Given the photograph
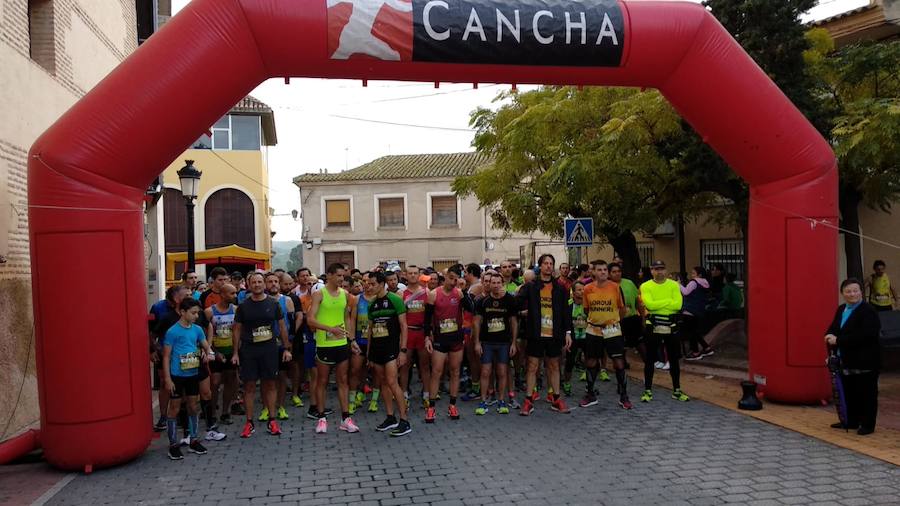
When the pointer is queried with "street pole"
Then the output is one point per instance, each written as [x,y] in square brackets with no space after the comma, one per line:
[189,203]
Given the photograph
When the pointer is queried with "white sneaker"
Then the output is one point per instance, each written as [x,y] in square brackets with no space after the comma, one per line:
[665,366]
[658,365]
[322,426]
[185,442]
[349,426]
[215,435]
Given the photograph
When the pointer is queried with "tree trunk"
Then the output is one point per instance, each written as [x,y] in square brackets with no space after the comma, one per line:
[848,202]
[625,245]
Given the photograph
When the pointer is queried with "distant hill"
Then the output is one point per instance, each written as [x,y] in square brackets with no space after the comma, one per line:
[281,251]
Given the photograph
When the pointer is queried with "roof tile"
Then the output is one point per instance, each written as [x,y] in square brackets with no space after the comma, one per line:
[447,165]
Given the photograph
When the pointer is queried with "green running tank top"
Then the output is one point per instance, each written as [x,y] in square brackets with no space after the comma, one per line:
[331,313]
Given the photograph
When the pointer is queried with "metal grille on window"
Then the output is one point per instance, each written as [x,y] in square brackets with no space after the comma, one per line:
[727,252]
[442,265]
[646,251]
[390,212]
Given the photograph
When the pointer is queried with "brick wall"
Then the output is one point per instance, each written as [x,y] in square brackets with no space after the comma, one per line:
[70,45]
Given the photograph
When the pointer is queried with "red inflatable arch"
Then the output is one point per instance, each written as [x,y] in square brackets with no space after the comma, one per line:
[88,172]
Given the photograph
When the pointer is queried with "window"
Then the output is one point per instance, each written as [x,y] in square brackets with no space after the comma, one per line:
[347,258]
[444,211]
[230,219]
[337,213]
[41,40]
[442,265]
[232,132]
[728,252]
[391,211]
[646,252]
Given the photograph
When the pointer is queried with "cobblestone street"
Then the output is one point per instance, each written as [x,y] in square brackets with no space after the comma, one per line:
[662,453]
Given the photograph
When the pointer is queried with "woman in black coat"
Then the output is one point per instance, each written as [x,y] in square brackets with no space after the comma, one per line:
[854,332]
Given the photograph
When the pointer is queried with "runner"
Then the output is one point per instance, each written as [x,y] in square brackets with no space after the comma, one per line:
[549,325]
[563,279]
[237,279]
[444,338]
[358,369]
[257,351]
[881,294]
[386,333]
[181,364]
[273,288]
[332,321]
[414,297]
[605,308]
[662,297]
[163,315]
[213,295]
[579,326]
[474,289]
[189,279]
[222,372]
[632,324]
[296,364]
[493,329]
[393,281]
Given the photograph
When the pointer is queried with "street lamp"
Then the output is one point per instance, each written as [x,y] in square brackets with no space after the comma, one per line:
[190,186]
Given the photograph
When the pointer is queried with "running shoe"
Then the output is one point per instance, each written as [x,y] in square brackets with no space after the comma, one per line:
[297,401]
[481,409]
[583,376]
[360,398]
[502,408]
[248,429]
[312,414]
[273,428]
[658,365]
[429,414]
[282,414]
[175,453]
[225,419]
[470,395]
[322,426]
[264,415]
[647,396]
[535,395]
[348,425]
[373,406]
[452,412]
[403,428]
[567,388]
[694,355]
[492,399]
[527,407]
[388,424]
[186,440]
[196,447]
[625,403]
[665,366]
[351,407]
[559,405]
[513,403]
[588,400]
[708,352]
[214,435]
[678,395]
[214,426]
[160,424]
[604,376]
[549,396]
[328,412]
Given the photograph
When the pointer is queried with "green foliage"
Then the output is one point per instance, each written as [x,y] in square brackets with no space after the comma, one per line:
[560,151]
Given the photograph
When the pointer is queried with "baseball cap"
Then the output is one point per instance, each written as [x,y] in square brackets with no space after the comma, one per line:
[658,264]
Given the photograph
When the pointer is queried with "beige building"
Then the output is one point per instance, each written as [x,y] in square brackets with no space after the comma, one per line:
[232,206]
[401,208]
[51,53]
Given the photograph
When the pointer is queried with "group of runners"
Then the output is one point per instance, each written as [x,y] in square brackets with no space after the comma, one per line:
[372,330]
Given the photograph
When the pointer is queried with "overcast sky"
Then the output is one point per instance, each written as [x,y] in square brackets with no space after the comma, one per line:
[315,132]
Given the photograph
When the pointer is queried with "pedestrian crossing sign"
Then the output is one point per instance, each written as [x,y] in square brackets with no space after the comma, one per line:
[579,232]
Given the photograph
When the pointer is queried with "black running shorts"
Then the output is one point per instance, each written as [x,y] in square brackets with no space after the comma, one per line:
[185,386]
[540,347]
[333,355]
[259,361]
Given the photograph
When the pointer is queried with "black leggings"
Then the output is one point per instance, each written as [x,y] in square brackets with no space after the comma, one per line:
[672,343]
[692,328]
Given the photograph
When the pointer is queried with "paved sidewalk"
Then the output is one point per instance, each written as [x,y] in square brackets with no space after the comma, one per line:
[664,452]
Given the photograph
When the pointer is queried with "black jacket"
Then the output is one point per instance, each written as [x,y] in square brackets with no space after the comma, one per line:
[857,341]
[530,299]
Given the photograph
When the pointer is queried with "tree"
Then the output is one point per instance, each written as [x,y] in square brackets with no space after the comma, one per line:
[560,151]
[295,259]
[861,83]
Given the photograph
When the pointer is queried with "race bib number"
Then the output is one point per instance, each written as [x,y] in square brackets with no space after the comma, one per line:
[882,299]
[331,336]
[496,325]
[224,331]
[662,329]
[222,342]
[612,330]
[379,329]
[415,306]
[262,334]
[189,361]
[363,324]
[546,326]
[448,326]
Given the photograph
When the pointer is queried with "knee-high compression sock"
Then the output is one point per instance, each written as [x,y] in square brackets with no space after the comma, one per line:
[172,430]
[592,378]
[183,420]
[208,415]
[620,379]
[675,373]
[193,423]
[649,367]
[375,394]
